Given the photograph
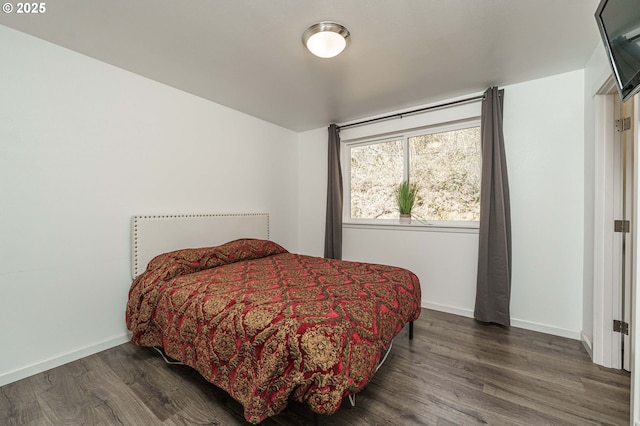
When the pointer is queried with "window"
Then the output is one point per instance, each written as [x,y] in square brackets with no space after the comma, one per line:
[443,161]
[376,169]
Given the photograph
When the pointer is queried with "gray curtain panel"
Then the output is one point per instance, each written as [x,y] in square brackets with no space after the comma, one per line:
[493,293]
[333,228]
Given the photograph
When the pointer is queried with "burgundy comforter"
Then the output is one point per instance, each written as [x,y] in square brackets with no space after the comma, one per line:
[267,325]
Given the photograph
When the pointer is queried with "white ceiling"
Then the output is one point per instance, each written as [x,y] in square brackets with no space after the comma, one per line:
[248,54]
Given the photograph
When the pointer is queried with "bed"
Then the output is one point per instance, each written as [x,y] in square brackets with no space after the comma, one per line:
[266,325]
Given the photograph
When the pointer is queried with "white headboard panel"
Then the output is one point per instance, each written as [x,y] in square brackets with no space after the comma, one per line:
[154,235]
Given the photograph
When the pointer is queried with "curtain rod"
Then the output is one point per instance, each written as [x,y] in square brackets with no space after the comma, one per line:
[415,111]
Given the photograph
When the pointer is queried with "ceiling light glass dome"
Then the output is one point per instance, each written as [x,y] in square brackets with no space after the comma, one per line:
[326,39]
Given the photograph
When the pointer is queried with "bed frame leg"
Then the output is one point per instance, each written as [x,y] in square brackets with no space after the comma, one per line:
[352,399]
[411,330]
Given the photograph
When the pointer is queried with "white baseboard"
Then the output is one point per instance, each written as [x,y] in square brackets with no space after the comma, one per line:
[448,309]
[30,370]
[527,325]
[586,342]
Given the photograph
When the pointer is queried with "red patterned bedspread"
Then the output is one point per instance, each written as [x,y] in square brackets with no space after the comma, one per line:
[267,325]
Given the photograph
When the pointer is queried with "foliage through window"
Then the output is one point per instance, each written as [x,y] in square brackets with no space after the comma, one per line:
[445,165]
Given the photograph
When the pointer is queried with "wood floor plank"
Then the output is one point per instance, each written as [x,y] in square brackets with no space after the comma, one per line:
[19,404]
[122,407]
[165,389]
[562,412]
[63,399]
[454,372]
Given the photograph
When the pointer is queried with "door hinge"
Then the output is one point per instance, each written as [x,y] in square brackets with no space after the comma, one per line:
[623,124]
[620,327]
[621,226]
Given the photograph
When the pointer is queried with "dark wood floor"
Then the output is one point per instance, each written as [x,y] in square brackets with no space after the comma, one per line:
[454,372]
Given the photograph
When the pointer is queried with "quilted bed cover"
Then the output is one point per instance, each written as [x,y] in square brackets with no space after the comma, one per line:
[267,325]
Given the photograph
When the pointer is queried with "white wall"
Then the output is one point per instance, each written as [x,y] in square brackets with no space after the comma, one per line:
[544,137]
[544,144]
[312,184]
[83,147]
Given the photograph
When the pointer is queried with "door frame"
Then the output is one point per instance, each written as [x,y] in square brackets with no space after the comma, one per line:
[607,298]
[627,141]
[634,296]
[600,348]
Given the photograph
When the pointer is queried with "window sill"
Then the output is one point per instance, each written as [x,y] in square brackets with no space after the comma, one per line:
[415,225]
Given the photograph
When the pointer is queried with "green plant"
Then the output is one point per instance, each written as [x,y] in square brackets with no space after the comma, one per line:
[406,196]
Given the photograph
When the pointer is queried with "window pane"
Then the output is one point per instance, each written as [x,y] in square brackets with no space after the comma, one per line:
[446,167]
[375,171]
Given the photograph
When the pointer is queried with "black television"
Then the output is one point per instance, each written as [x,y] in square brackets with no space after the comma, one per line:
[619,24]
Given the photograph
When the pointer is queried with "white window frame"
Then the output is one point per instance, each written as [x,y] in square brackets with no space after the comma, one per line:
[419,225]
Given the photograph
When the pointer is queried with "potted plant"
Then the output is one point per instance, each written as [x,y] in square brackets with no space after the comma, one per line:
[406,196]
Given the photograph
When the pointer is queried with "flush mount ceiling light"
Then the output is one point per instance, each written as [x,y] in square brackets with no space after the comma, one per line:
[326,39]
